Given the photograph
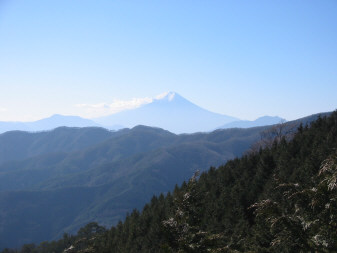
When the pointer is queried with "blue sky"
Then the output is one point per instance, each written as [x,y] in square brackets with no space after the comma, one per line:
[240,58]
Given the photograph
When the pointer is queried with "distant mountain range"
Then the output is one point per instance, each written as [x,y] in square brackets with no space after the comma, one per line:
[262,121]
[47,124]
[170,111]
[56,181]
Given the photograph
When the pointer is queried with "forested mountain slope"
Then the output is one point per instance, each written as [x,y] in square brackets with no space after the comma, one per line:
[46,193]
[279,199]
[17,145]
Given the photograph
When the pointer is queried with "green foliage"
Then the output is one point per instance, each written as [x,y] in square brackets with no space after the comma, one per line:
[305,219]
[185,234]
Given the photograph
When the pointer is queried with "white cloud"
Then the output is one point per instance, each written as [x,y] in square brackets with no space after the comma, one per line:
[162,95]
[117,105]
[101,109]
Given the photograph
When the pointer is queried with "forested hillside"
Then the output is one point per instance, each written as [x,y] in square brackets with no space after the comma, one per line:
[58,181]
[17,145]
[278,199]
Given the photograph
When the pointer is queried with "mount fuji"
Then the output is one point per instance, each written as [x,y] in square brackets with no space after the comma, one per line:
[169,111]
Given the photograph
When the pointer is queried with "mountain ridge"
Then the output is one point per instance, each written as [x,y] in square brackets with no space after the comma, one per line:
[261,121]
[118,172]
[48,123]
[169,111]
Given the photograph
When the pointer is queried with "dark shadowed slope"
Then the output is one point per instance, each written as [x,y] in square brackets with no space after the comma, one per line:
[112,177]
[58,192]
[16,145]
[279,199]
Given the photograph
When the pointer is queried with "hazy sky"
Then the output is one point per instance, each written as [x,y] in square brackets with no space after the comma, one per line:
[240,58]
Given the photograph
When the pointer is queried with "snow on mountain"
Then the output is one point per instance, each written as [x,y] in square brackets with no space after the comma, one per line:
[171,112]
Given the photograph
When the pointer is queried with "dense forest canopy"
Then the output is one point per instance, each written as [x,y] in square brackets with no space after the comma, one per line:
[280,198]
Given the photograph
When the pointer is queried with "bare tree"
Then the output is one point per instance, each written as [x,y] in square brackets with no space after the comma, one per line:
[273,134]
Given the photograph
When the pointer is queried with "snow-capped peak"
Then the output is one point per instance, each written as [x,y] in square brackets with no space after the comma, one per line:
[166,96]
